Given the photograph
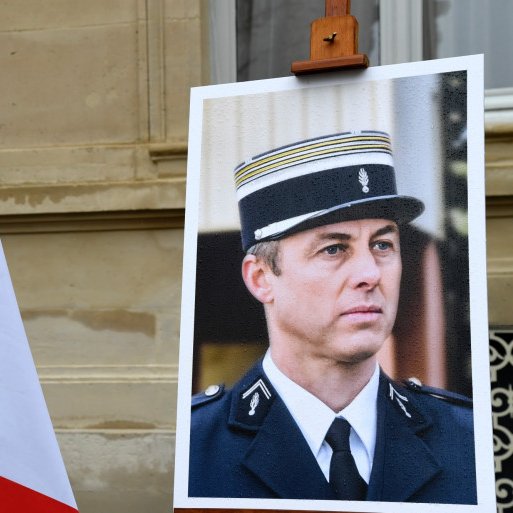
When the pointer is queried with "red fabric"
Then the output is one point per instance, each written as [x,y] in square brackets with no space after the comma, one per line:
[16,498]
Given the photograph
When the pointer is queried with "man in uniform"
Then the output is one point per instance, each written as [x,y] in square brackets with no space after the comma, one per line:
[317,418]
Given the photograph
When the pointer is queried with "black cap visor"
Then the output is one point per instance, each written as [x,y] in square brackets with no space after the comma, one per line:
[400,209]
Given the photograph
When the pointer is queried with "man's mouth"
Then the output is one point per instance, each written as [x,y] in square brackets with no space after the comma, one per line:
[363,309]
[362,314]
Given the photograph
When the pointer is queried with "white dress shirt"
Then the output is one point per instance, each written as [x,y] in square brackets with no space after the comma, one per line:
[314,418]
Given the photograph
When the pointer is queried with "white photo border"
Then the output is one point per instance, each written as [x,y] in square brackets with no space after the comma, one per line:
[473,65]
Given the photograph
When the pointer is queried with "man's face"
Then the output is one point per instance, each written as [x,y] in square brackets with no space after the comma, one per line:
[336,297]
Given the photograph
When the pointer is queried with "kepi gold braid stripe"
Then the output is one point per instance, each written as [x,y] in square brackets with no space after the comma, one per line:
[287,162]
[300,149]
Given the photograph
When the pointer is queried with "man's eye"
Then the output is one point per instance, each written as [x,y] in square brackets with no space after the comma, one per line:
[383,245]
[333,249]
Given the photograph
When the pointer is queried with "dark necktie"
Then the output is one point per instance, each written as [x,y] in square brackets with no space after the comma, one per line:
[344,477]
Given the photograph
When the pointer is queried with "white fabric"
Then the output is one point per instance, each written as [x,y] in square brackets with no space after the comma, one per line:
[29,451]
[314,418]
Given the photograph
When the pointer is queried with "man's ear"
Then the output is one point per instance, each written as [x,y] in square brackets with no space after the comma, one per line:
[256,274]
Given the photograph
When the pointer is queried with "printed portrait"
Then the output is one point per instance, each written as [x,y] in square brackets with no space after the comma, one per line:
[333,271]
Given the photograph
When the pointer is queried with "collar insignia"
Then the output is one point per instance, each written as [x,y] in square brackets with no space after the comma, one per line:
[396,397]
[257,385]
[253,404]
[363,178]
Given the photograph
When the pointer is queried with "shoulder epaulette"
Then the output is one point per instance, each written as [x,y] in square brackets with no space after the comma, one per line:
[415,385]
[210,394]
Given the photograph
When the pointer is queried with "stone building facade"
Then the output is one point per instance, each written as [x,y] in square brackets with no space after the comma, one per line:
[94,103]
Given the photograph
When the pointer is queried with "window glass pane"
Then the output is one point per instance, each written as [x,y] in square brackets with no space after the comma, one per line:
[272,34]
[469,27]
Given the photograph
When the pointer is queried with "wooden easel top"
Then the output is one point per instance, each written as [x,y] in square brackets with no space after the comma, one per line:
[333,42]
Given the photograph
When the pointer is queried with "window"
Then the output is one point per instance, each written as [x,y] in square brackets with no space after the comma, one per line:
[414,30]
[471,27]
[253,39]
[271,35]
[256,39]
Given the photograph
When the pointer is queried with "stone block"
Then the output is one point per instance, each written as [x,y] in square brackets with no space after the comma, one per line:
[179,53]
[97,197]
[120,471]
[87,86]
[68,165]
[106,270]
[180,9]
[20,15]
[114,397]
[500,270]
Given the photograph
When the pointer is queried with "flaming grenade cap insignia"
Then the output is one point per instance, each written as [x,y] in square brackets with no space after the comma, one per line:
[363,178]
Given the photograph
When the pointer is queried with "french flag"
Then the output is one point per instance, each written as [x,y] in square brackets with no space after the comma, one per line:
[33,478]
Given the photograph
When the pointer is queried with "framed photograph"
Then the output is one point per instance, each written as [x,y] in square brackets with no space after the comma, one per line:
[334,334]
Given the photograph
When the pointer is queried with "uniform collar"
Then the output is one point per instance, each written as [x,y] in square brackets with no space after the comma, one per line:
[314,417]
[279,448]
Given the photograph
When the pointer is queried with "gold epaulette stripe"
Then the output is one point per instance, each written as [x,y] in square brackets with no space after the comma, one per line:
[300,149]
[287,162]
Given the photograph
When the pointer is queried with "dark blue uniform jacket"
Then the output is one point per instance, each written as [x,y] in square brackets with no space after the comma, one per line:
[245,444]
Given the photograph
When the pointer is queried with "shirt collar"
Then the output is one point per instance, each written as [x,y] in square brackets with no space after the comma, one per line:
[362,414]
[314,417]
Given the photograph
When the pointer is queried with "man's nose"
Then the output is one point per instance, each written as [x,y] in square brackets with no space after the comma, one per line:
[365,272]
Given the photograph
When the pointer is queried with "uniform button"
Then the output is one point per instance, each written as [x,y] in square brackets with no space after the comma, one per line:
[415,381]
[212,390]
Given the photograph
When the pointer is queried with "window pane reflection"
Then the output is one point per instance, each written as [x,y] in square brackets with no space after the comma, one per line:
[470,27]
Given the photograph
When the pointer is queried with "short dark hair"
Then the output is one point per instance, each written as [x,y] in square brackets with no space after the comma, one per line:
[269,252]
